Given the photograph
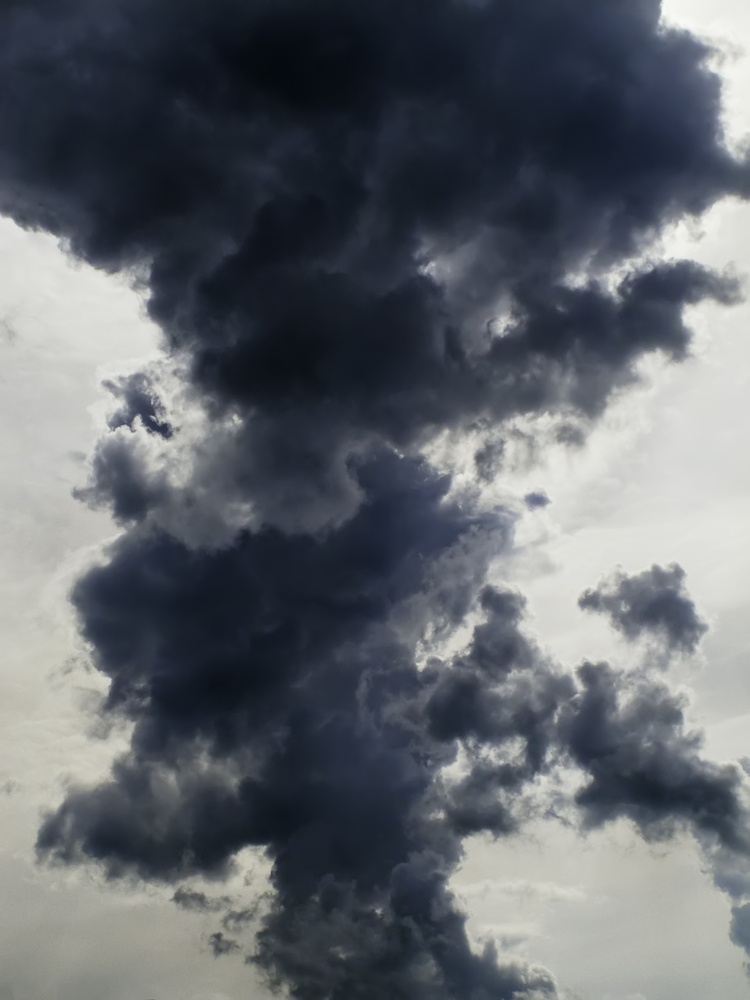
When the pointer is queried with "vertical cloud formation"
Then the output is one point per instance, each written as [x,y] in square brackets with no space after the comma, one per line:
[359,227]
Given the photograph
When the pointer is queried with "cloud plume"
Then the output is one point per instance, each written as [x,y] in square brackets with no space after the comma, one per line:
[363,229]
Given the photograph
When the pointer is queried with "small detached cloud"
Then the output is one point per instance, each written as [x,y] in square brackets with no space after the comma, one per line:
[537,500]
[654,603]
[9,786]
[221,945]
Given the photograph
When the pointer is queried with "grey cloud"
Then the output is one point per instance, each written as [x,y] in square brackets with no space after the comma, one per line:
[268,215]
[191,899]
[519,717]
[740,931]
[138,401]
[237,920]
[631,739]
[358,227]
[122,480]
[221,945]
[536,500]
[654,602]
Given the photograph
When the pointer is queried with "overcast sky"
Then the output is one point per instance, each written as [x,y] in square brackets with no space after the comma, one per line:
[663,478]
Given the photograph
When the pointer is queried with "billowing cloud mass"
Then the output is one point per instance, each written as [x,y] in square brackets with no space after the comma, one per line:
[652,603]
[363,229]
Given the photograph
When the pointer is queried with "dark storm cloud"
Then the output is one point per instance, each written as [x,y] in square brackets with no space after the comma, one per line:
[642,762]
[654,602]
[358,226]
[500,690]
[517,716]
[121,481]
[741,926]
[496,695]
[280,175]
[138,401]
[277,703]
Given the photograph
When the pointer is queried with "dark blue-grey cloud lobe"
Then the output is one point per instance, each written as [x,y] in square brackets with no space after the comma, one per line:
[138,401]
[537,500]
[360,227]
[654,602]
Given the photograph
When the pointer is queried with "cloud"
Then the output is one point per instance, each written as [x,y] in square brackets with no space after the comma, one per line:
[361,228]
[518,714]
[236,920]
[268,216]
[190,899]
[10,786]
[654,602]
[221,945]
[740,931]
[630,738]
[730,870]
[138,401]
[537,500]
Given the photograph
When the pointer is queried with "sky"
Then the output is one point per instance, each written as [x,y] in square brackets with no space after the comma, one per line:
[325,615]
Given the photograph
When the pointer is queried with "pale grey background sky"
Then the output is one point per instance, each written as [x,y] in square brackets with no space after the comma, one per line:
[666,477]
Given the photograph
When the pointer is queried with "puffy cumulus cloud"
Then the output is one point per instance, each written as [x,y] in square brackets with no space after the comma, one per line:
[362,229]
[518,715]
[330,205]
[629,737]
[304,735]
[654,602]
[361,774]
